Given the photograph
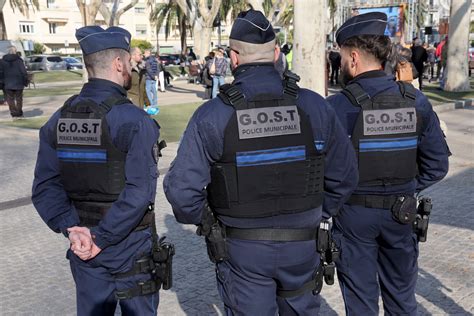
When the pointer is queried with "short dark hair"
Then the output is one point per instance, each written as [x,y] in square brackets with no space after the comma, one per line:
[378,46]
[100,61]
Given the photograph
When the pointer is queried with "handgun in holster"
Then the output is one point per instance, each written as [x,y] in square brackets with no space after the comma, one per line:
[420,226]
[328,251]
[214,235]
[163,254]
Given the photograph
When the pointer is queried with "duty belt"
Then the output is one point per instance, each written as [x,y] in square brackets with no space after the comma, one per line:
[91,214]
[271,234]
[373,201]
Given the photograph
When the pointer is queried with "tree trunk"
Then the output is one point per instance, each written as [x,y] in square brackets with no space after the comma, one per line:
[202,40]
[112,16]
[457,76]
[183,32]
[309,55]
[3,29]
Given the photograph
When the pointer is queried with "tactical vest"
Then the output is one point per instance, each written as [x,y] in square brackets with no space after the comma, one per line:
[385,136]
[269,164]
[91,167]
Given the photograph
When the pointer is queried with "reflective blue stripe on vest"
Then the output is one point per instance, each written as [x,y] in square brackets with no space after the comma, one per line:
[388,144]
[271,156]
[82,155]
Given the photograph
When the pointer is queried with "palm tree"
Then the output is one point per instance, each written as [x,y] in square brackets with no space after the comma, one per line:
[168,15]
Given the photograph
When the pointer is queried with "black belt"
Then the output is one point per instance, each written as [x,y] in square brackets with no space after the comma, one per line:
[271,234]
[373,201]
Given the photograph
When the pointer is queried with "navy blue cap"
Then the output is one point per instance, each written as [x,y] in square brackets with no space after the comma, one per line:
[373,23]
[93,39]
[252,27]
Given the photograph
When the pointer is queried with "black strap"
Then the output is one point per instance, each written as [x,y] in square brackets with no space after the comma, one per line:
[114,100]
[308,286]
[141,266]
[373,201]
[290,84]
[142,288]
[408,91]
[357,96]
[231,95]
[271,234]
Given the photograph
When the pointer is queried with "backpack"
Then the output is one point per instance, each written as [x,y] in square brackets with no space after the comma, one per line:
[404,71]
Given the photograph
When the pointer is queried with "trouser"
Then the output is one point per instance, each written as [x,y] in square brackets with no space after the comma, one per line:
[14,99]
[334,74]
[96,284]
[152,94]
[420,77]
[377,254]
[217,81]
[248,281]
[161,79]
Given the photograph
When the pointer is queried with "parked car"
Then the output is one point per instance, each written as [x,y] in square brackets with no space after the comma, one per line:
[172,59]
[73,63]
[46,63]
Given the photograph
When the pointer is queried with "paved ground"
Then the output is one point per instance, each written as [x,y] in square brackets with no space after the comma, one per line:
[35,276]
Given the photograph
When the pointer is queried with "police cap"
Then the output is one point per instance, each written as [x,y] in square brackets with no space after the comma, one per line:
[93,39]
[253,37]
[373,23]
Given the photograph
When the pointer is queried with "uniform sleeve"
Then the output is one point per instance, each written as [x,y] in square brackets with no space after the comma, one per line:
[48,194]
[189,174]
[340,171]
[141,175]
[433,151]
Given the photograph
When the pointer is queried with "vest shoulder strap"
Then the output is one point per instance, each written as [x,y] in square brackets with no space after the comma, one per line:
[231,95]
[68,102]
[290,84]
[408,92]
[114,100]
[357,96]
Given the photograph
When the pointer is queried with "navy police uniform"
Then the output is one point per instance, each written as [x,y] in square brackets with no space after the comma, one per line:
[96,167]
[263,155]
[401,150]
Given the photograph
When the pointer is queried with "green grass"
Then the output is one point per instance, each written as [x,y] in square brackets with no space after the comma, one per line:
[172,119]
[437,96]
[42,92]
[57,76]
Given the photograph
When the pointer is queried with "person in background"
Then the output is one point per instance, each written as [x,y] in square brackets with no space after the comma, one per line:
[137,92]
[151,66]
[419,57]
[432,61]
[439,49]
[218,69]
[335,60]
[15,79]
[192,55]
[161,73]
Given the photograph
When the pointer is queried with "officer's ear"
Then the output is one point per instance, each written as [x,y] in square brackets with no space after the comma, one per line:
[277,53]
[234,58]
[118,64]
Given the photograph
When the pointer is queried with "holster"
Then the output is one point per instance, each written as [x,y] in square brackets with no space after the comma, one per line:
[420,226]
[216,245]
[163,258]
[328,251]
[404,209]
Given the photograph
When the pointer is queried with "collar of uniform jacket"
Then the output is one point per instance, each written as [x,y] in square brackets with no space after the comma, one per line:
[243,68]
[369,74]
[102,85]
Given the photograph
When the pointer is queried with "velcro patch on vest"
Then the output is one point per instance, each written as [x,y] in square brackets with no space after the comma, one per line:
[268,122]
[71,131]
[389,121]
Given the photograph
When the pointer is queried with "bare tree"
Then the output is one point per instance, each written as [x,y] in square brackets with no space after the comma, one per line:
[309,55]
[112,15]
[201,17]
[88,10]
[457,76]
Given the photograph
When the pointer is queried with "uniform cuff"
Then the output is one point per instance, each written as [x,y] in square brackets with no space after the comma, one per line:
[98,239]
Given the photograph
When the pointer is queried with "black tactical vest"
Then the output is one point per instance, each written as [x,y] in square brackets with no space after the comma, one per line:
[270,164]
[385,135]
[91,167]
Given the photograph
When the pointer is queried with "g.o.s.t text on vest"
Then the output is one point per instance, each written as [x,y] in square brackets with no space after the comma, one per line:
[77,131]
[389,121]
[268,122]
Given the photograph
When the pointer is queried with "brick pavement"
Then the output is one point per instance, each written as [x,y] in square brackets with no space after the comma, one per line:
[35,276]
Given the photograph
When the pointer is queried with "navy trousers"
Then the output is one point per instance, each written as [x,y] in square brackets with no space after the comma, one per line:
[248,281]
[378,256]
[96,284]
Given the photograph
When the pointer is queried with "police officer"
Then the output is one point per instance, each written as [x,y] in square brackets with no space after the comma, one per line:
[401,150]
[266,156]
[95,181]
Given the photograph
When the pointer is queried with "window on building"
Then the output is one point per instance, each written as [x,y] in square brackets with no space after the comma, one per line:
[27,28]
[140,9]
[51,4]
[140,29]
[52,28]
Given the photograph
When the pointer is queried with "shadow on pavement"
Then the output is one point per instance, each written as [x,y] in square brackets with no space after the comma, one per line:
[33,112]
[432,289]
[199,93]
[194,277]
